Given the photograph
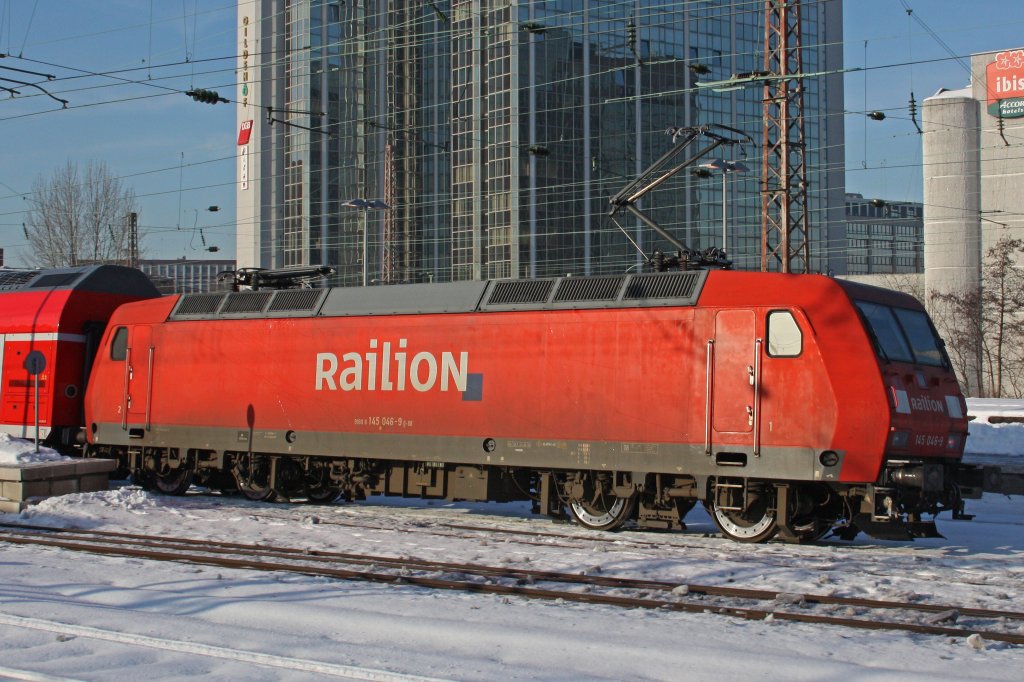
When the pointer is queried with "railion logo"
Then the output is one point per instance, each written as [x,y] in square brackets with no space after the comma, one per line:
[1004,80]
[393,370]
[926,404]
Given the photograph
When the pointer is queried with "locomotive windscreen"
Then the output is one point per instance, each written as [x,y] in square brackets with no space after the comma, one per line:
[903,335]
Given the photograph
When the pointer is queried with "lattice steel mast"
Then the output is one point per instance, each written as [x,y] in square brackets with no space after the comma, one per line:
[785,238]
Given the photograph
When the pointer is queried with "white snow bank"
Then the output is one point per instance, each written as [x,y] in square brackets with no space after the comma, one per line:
[995,439]
[128,498]
[981,409]
[19,451]
[988,434]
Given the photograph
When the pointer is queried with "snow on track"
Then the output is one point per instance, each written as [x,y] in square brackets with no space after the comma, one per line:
[193,648]
[404,630]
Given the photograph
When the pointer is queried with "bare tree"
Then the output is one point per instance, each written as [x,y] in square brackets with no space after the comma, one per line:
[77,218]
[910,283]
[984,329]
[957,316]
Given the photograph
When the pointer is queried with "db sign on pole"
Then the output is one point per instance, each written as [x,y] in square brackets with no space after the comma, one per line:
[35,363]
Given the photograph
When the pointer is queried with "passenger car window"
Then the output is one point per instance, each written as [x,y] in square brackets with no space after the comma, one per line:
[785,340]
[119,346]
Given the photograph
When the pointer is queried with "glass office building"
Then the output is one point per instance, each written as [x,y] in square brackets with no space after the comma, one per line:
[183,276]
[884,237]
[496,132]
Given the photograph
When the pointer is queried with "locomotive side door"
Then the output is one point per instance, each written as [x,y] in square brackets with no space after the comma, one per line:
[138,370]
[790,382]
[2,337]
[733,375]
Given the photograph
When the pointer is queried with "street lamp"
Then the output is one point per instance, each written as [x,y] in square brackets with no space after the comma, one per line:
[725,167]
[366,205]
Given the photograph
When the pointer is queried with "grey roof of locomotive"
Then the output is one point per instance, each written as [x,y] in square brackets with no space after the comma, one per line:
[561,293]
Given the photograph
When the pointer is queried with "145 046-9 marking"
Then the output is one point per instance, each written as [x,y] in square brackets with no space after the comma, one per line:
[929,440]
[383,421]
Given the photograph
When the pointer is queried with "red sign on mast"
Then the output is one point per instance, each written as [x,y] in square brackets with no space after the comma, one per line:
[244,132]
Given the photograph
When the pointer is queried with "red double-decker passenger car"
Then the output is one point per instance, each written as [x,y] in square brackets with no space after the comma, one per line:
[57,317]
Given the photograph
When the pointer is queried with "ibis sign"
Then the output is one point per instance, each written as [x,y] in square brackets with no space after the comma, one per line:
[1004,81]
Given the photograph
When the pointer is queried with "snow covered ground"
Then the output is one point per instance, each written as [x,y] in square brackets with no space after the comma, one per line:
[983,408]
[1000,441]
[17,451]
[78,616]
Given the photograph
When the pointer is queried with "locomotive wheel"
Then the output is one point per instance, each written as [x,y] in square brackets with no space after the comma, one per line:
[252,475]
[813,512]
[255,492]
[177,482]
[603,511]
[810,529]
[323,494]
[813,530]
[756,524]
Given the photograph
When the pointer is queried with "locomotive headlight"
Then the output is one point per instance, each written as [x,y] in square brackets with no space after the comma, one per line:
[828,458]
[899,439]
[953,441]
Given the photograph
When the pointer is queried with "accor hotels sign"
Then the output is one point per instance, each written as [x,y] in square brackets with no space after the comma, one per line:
[1004,80]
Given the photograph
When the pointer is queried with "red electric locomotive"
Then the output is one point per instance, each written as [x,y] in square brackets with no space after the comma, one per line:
[57,317]
[787,404]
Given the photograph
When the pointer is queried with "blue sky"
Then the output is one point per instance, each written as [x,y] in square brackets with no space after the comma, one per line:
[178,155]
[883,158]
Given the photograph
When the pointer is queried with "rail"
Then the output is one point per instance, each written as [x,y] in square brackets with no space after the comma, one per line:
[737,602]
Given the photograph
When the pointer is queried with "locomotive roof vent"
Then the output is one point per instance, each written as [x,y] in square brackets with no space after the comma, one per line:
[519,291]
[198,304]
[16,279]
[674,285]
[295,300]
[588,289]
[246,302]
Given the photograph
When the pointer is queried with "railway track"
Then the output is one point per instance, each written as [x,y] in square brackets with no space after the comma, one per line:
[674,539]
[750,604]
[635,545]
[631,543]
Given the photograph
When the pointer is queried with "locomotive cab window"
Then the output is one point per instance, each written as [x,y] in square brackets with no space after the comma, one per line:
[785,340]
[924,341]
[903,335]
[119,345]
[889,339]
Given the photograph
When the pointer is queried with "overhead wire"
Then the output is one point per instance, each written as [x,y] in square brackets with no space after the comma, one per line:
[567,108]
[935,36]
[28,28]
